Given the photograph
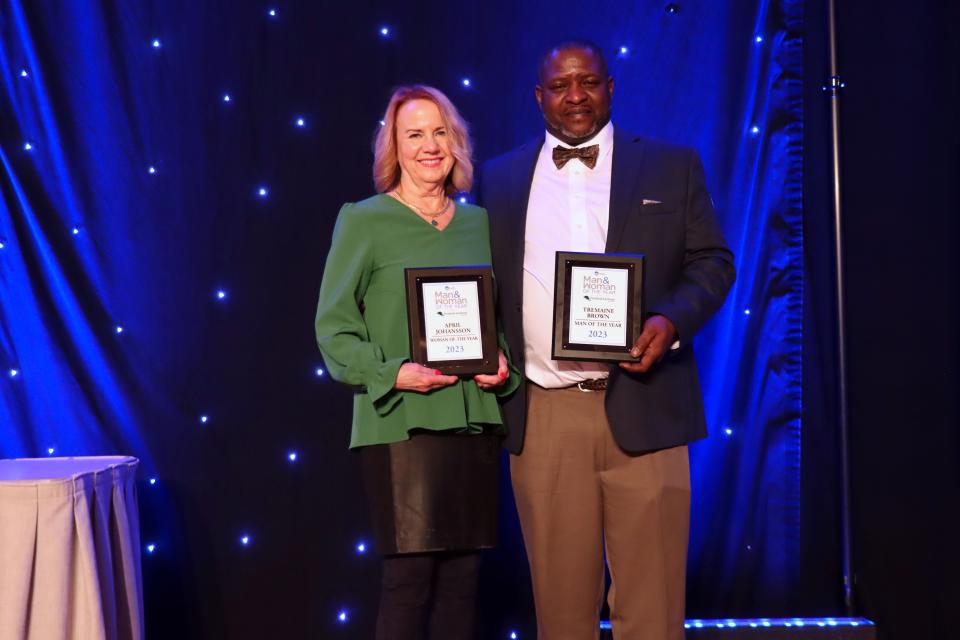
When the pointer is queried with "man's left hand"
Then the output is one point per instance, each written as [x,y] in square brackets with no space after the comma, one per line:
[654,342]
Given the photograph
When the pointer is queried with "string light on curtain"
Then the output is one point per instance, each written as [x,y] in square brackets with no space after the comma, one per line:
[758,39]
[28,146]
[272,12]
[245,539]
[51,451]
[466,82]
[263,192]
[75,231]
[318,372]
[24,74]
[221,294]
[361,547]
[727,431]
[151,548]
[384,31]
[342,616]
[513,635]
[754,130]
[3,244]
[672,8]
[300,122]
[623,52]
[746,312]
[292,456]
[155,43]
[152,481]
[204,419]
[226,97]
[151,169]
[118,329]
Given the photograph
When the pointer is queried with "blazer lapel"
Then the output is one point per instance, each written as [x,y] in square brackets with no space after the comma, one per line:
[522,167]
[624,184]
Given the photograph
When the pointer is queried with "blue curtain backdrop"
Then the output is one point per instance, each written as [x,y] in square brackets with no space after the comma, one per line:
[170,172]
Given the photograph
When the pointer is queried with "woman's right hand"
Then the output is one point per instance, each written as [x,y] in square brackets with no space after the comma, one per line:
[415,377]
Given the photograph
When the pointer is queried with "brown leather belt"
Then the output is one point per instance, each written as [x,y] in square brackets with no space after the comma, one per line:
[598,384]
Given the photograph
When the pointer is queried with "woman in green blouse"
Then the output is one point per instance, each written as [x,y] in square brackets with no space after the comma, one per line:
[428,443]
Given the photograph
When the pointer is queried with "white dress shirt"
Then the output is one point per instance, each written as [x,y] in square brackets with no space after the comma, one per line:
[568,210]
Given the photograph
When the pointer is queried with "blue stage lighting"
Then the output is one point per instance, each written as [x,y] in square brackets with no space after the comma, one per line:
[24,74]
[754,129]
[221,294]
[263,192]
[292,456]
[318,372]
[245,539]
[151,548]
[226,97]
[27,146]
[156,43]
[301,122]
[204,419]
[758,39]
[151,169]
[361,547]
[466,82]
[272,13]
[384,31]
[118,329]
[152,481]
[75,231]
[342,616]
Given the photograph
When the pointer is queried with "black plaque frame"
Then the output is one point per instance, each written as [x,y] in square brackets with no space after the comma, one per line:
[563,349]
[483,276]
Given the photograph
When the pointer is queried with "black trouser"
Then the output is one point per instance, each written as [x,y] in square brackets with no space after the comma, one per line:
[428,595]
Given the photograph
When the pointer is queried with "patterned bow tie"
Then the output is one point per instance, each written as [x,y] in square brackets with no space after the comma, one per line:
[587,155]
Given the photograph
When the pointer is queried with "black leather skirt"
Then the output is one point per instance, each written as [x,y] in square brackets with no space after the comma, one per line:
[436,491]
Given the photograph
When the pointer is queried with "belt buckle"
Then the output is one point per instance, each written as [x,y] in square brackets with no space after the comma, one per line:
[592,385]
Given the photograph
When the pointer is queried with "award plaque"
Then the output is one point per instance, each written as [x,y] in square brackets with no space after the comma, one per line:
[598,306]
[451,319]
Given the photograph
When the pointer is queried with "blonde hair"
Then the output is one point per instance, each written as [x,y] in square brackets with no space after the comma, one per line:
[386,165]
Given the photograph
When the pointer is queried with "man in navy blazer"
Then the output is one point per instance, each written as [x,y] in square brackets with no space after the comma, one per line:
[599,459]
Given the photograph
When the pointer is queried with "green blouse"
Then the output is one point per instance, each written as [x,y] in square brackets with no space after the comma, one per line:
[373,241]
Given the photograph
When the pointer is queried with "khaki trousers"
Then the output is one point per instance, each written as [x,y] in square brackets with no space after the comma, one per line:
[579,495]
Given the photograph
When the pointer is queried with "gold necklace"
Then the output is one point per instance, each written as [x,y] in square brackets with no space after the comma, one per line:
[431,216]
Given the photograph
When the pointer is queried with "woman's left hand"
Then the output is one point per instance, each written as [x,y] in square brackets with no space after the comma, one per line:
[497,379]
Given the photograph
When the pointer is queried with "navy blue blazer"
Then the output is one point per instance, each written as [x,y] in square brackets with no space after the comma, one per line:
[689,272]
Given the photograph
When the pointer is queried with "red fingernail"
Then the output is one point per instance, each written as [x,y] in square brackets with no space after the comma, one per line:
[503,375]
[436,372]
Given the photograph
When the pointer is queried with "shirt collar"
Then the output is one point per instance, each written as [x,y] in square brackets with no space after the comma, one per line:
[604,138]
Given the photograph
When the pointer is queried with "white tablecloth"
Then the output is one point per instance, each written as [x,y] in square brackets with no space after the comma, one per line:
[70,549]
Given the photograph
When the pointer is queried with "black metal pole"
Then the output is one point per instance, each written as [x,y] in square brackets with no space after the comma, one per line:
[833,87]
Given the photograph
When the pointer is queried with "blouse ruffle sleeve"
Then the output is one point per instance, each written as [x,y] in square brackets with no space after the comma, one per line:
[342,334]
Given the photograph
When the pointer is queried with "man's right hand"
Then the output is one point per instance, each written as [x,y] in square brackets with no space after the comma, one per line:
[415,377]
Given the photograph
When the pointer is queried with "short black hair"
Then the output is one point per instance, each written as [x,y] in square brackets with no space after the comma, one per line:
[566,45]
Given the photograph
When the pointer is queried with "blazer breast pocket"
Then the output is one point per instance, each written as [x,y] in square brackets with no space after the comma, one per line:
[658,209]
